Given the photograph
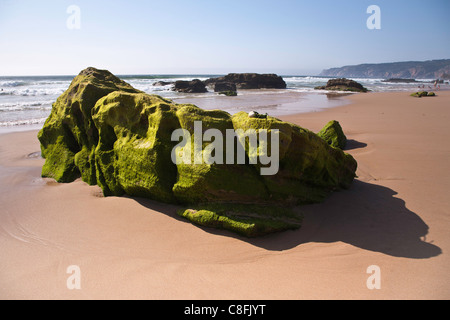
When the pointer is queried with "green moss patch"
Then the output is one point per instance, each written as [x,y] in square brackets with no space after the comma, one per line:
[421,94]
[246,220]
[229,93]
[333,134]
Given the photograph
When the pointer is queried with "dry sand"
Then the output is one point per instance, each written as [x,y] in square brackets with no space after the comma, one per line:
[395,216]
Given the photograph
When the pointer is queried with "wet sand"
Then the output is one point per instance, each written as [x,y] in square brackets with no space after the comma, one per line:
[395,216]
[275,102]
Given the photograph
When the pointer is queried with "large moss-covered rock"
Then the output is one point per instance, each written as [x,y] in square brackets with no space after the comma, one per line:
[108,133]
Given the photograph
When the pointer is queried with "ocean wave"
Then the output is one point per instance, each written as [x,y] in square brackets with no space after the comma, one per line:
[22,122]
[310,79]
[23,106]
[153,89]
[65,84]
[365,80]
[309,90]
[12,83]
[33,92]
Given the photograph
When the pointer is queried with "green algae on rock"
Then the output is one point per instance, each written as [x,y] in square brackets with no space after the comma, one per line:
[333,134]
[69,136]
[133,155]
[110,134]
[246,220]
[421,94]
[229,93]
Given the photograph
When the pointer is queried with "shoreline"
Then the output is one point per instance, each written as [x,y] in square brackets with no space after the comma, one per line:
[394,216]
[277,103]
[20,128]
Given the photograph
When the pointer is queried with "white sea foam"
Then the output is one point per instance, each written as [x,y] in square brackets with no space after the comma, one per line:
[22,106]
[308,79]
[22,122]
[12,83]
[29,91]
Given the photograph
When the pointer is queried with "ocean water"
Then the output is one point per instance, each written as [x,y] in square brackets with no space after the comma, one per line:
[27,101]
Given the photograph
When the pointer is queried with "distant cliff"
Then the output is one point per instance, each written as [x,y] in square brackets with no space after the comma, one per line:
[434,69]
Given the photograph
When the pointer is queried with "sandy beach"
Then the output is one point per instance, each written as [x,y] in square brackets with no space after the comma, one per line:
[395,216]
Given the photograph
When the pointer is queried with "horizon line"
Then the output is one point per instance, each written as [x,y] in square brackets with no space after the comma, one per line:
[221,74]
[159,74]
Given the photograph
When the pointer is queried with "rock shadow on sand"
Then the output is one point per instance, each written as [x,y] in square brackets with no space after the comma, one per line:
[353,145]
[366,216]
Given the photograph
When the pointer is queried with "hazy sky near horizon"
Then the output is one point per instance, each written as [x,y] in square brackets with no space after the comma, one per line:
[215,37]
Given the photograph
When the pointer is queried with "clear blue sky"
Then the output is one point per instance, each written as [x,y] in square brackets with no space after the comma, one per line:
[204,37]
